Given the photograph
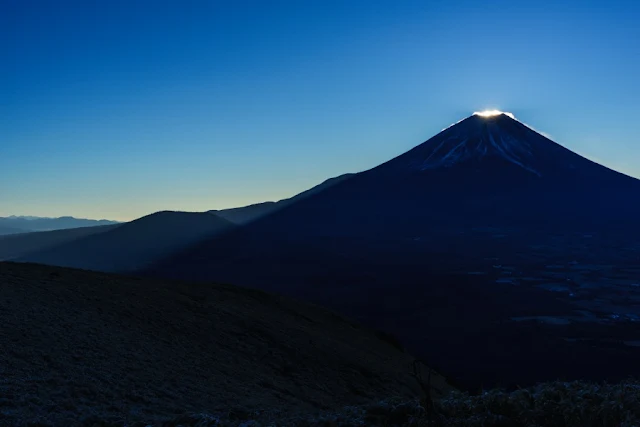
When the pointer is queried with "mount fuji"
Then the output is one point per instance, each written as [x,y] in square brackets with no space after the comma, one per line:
[491,251]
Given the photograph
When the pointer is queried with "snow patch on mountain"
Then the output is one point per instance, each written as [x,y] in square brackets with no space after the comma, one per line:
[486,140]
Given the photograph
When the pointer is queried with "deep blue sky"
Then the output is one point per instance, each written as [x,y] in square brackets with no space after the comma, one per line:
[116,109]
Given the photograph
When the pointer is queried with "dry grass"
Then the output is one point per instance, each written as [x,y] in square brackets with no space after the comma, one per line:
[80,347]
[559,404]
[554,404]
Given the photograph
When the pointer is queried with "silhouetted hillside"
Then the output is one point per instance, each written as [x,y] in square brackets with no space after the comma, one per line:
[133,245]
[246,214]
[17,245]
[82,347]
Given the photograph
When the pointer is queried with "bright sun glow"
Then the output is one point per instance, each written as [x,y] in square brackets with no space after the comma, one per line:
[492,113]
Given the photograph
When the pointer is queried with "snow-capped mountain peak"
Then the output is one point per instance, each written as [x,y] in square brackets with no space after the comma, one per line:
[481,135]
[488,135]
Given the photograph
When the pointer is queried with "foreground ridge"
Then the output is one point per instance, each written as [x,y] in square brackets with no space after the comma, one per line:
[84,345]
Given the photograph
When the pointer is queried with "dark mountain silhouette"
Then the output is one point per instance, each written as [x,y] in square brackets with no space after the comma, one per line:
[55,247]
[246,214]
[133,245]
[125,351]
[31,223]
[17,245]
[44,246]
[475,248]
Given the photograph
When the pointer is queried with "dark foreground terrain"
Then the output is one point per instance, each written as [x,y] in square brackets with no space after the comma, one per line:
[557,404]
[79,346]
[92,349]
[487,306]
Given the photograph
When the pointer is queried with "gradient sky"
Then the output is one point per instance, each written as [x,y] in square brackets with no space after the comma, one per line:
[115,109]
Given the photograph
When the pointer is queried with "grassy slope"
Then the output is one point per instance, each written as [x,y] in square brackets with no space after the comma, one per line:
[556,404]
[78,344]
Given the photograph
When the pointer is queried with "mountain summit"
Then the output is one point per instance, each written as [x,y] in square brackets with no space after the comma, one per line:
[479,137]
[486,143]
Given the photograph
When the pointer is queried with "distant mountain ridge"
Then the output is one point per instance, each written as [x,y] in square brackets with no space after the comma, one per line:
[26,224]
[4,230]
